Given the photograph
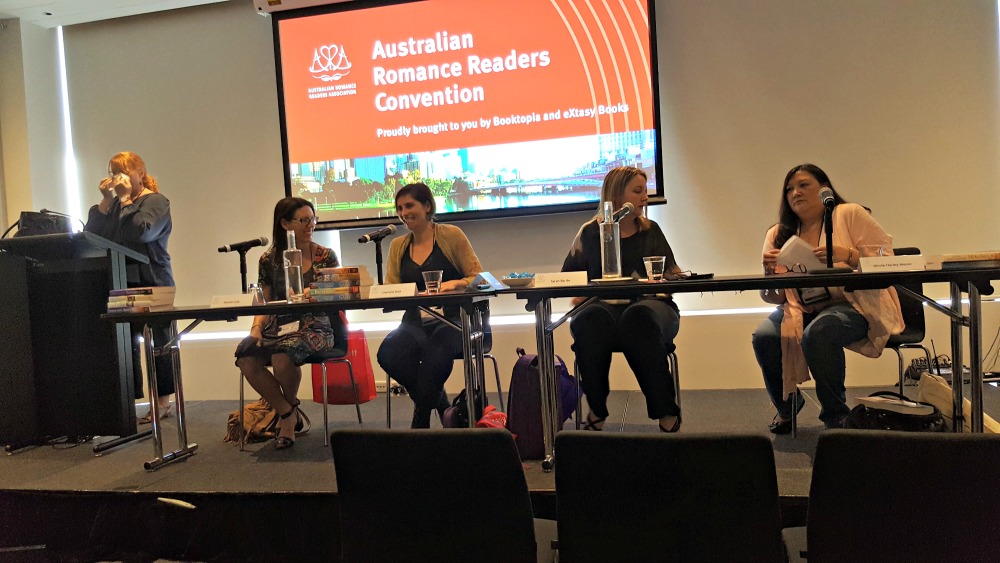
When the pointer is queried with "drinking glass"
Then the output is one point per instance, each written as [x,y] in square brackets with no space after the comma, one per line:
[432,280]
[257,293]
[654,267]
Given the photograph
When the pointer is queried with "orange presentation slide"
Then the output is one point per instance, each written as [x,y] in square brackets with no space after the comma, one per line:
[441,74]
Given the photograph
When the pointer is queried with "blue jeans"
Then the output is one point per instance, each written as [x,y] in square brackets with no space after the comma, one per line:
[823,340]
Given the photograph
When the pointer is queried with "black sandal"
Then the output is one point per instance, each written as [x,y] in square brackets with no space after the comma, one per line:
[591,423]
[303,425]
[672,429]
[282,442]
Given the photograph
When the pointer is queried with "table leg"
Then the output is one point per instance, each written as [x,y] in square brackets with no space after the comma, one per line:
[957,375]
[186,449]
[549,385]
[975,358]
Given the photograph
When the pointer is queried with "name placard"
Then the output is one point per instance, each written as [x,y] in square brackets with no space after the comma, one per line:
[561,279]
[870,264]
[393,290]
[235,300]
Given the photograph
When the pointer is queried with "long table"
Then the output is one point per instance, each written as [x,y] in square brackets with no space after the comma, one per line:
[973,281]
[471,328]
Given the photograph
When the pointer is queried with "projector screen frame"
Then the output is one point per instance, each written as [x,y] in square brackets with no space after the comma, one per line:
[655,198]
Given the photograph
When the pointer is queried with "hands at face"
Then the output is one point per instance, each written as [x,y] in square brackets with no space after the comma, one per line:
[116,185]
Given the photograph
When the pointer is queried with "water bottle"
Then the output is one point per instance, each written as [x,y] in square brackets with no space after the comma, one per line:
[293,271]
[611,261]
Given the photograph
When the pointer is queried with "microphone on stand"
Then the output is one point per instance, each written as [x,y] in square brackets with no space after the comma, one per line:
[244,246]
[826,196]
[378,235]
[623,212]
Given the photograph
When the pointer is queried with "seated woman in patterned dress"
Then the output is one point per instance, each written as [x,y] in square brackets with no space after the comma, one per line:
[285,341]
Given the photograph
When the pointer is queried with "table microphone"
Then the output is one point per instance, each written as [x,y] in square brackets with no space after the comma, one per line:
[378,235]
[623,212]
[244,246]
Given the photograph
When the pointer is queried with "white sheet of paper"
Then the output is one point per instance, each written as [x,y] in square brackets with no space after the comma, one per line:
[798,251]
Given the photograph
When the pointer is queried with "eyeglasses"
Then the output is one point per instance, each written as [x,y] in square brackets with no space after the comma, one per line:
[305,221]
[783,269]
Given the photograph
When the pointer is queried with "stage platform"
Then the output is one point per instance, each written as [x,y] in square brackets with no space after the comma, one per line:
[264,504]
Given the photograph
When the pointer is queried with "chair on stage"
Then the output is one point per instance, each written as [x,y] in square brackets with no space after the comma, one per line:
[862,508]
[333,356]
[432,495]
[671,365]
[658,497]
[913,317]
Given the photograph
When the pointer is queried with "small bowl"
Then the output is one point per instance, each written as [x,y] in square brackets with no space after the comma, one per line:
[517,282]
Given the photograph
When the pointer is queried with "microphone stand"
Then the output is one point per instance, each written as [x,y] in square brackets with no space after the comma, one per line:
[378,259]
[828,228]
[243,269]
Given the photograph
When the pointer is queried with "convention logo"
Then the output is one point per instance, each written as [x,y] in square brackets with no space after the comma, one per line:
[330,63]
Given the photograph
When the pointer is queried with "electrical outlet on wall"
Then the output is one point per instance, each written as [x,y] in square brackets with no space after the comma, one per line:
[380,386]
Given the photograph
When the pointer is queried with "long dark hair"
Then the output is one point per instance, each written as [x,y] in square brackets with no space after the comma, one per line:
[284,209]
[421,193]
[788,221]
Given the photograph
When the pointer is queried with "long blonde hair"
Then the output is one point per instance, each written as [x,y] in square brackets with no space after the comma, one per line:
[130,162]
[613,190]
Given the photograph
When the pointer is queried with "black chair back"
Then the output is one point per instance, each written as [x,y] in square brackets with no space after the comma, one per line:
[653,497]
[432,495]
[912,309]
[862,508]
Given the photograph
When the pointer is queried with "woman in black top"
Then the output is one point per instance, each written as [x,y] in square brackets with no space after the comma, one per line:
[133,213]
[643,329]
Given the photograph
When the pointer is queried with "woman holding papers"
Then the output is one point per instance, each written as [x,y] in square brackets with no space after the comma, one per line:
[812,326]
[644,329]
[285,341]
[420,353]
[133,213]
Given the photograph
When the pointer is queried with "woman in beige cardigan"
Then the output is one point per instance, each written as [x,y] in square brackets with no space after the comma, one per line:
[420,353]
[812,326]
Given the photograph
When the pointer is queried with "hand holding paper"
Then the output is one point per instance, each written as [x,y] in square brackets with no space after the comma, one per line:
[797,251]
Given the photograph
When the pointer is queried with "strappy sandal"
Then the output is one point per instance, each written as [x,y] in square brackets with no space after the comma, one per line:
[165,412]
[672,429]
[592,423]
[282,442]
[303,424]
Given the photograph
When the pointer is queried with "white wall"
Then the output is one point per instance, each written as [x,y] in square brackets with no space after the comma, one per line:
[897,100]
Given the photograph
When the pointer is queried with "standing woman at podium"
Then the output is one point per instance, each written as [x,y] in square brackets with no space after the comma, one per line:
[133,213]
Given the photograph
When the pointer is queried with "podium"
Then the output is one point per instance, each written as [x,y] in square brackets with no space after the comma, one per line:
[63,371]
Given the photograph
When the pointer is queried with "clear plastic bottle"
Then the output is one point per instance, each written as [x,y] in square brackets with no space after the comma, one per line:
[293,271]
[611,261]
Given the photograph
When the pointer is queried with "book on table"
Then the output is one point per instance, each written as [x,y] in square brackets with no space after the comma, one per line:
[157,290]
[140,308]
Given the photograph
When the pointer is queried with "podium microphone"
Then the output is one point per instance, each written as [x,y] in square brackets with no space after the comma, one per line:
[826,196]
[623,212]
[378,235]
[244,246]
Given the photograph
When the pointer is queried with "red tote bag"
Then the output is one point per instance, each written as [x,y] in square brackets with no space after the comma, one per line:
[339,381]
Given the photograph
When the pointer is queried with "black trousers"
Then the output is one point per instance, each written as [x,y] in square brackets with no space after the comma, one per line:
[644,331]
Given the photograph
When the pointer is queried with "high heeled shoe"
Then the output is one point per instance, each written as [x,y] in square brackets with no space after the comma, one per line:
[302,424]
[284,442]
[592,423]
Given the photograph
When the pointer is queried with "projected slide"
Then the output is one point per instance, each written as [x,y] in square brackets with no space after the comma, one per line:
[495,104]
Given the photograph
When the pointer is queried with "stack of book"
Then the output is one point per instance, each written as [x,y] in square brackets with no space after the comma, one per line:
[985,259]
[141,299]
[340,284]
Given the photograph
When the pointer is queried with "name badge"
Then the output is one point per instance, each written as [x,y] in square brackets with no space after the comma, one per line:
[810,295]
[393,290]
[236,300]
[288,328]
[561,279]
